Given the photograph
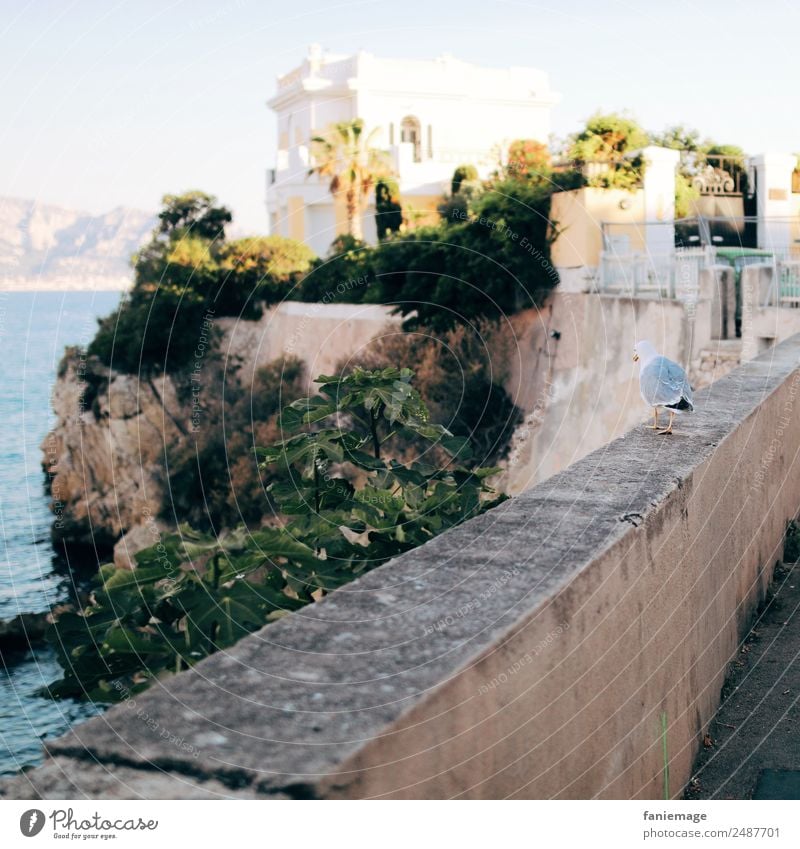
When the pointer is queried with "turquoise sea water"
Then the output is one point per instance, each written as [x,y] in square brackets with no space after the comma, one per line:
[34,329]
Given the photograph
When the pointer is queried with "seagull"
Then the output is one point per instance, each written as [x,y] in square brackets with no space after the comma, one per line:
[662,383]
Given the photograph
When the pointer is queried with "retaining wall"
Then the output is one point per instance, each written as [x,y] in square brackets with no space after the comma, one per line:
[529,653]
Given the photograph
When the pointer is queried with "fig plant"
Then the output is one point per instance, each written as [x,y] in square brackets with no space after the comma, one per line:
[346,505]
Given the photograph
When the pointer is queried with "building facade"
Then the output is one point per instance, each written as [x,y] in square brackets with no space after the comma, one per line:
[431,116]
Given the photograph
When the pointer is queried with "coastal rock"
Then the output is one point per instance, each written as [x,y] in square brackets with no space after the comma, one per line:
[104,457]
[23,630]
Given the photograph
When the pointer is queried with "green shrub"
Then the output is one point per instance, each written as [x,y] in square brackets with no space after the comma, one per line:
[214,476]
[608,144]
[488,257]
[459,376]
[528,160]
[193,213]
[344,276]
[495,263]
[348,506]
[462,173]
[260,269]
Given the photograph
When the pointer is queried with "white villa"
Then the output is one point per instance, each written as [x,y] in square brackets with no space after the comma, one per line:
[431,115]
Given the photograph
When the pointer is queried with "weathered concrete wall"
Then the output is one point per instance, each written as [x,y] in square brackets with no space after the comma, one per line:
[762,326]
[529,653]
[578,216]
[321,335]
[581,390]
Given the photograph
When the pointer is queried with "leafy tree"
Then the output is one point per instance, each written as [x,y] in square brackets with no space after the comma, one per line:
[678,137]
[732,150]
[185,271]
[346,157]
[606,149]
[193,212]
[348,506]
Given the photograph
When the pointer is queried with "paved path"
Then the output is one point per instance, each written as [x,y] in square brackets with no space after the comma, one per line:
[754,741]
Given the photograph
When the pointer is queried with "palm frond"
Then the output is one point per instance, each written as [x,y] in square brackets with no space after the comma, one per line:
[346,154]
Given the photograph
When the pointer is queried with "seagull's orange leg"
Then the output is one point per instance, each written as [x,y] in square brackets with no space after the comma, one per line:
[655,425]
[668,428]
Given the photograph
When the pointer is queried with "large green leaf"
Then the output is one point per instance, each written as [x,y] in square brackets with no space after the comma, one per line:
[125,640]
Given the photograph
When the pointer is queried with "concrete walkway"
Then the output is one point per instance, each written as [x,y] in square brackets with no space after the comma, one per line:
[752,749]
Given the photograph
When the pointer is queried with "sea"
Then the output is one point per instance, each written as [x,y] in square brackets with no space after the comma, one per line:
[35,327]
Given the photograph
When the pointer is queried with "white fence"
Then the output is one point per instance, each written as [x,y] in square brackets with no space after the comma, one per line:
[676,275]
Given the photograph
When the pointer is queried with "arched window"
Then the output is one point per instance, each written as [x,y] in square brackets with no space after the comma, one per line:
[411,131]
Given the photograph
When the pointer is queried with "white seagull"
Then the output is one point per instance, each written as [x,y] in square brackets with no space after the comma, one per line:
[662,383]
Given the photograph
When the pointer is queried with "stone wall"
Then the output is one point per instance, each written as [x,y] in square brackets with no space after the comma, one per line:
[321,335]
[580,388]
[533,652]
[714,362]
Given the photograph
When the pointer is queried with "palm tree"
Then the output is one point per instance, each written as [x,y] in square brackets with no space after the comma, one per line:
[345,155]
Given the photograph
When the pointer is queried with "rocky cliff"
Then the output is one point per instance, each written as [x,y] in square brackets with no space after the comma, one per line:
[105,454]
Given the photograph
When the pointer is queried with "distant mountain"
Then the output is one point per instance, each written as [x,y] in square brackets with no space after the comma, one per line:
[47,247]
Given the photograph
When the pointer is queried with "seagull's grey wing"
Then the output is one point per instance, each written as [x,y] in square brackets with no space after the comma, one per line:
[663,382]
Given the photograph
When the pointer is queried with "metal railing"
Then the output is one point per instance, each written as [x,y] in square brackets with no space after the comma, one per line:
[785,288]
[676,275]
[672,275]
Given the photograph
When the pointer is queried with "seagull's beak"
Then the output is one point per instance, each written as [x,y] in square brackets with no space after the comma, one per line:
[636,358]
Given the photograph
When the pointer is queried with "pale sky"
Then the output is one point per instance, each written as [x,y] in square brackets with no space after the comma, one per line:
[109,103]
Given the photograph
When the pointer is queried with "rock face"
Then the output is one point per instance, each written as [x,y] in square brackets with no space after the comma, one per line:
[104,455]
